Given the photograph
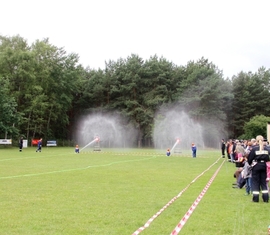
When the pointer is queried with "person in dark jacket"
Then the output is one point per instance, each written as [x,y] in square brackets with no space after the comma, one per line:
[257,159]
[228,150]
[223,146]
[20,144]
[39,146]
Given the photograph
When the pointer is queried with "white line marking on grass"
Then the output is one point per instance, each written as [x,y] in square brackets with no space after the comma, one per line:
[147,224]
[76,169]
[38,156]
[183,221]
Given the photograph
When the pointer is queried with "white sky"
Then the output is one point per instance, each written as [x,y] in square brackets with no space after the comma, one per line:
[233,34]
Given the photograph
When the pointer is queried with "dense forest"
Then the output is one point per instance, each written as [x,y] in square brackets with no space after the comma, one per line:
[44,89]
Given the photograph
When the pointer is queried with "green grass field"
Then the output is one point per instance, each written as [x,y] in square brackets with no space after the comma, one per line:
[116,191]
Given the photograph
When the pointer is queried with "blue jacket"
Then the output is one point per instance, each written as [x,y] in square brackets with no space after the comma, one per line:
[194,149]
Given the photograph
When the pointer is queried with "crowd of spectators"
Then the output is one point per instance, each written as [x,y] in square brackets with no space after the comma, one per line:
[245,154]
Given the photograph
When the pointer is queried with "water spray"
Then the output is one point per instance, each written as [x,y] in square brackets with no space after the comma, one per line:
[177,142]
[93,141]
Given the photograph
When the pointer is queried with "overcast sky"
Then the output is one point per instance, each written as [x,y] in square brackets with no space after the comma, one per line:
[233,34]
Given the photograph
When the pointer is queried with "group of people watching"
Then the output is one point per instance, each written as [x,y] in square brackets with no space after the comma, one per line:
[251,157]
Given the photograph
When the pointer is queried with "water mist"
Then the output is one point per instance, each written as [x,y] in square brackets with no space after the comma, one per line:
[111,129]
[177,129]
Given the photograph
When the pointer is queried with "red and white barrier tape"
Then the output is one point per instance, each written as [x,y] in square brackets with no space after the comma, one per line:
[194,205]
[147,224]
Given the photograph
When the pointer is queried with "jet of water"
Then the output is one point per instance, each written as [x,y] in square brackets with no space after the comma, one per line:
[93,141]
[177,142]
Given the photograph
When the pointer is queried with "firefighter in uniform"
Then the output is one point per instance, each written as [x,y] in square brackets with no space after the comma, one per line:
[257,158]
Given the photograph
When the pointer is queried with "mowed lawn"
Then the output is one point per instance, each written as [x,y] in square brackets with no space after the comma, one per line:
[116,191]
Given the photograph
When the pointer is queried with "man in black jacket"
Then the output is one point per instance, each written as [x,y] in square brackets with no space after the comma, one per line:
[20,144]
[257,158]
[223,146]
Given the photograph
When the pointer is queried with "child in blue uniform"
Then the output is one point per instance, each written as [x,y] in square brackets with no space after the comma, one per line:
[193,149]
[168,153]
[77,150]
[39,146]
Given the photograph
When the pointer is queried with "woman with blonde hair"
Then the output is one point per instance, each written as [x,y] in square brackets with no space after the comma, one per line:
[239,154]
[257,159]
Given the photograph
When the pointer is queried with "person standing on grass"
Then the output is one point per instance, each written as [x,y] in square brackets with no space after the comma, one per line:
[257,159]
[231,144]
[77,150]
[232,154]
[168,153]
[20,144]
[223,146]
[194,150]
[247,175]
[228,150]
[268,175]
[39,146]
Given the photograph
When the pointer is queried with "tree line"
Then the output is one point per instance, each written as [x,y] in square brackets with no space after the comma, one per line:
[43,89]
